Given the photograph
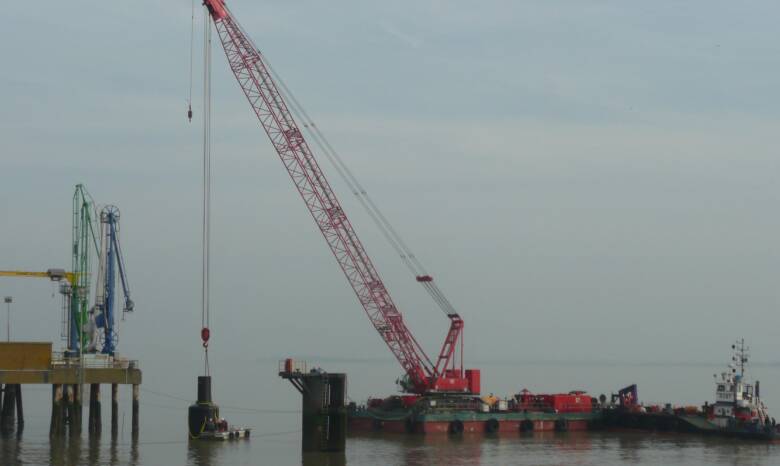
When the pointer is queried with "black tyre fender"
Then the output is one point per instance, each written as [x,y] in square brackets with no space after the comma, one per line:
[491,425]
[410,425]
[526,425]
[561,425]
[377,424]
[456,427]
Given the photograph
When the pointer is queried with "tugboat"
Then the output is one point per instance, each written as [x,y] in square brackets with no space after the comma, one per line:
[738,410]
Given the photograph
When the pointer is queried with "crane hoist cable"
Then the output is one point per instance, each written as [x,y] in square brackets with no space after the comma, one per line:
[347,175]
[192,50]
[206,227]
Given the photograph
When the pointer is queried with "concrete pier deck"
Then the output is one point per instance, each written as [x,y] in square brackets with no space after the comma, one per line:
[25,363]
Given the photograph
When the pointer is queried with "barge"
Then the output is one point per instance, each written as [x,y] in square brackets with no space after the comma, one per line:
[737,411]
[440,414]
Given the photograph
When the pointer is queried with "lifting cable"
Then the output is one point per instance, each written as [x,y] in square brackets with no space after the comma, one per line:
[192,50]
[206,239]
[385,227]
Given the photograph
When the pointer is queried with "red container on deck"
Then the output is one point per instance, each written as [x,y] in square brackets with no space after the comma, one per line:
[288,365]
[473,376]
[569,403]
[574,402]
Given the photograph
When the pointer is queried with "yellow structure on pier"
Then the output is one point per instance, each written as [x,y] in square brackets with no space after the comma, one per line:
[54,275]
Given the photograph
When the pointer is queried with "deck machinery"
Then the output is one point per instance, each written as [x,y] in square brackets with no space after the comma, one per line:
[422,375]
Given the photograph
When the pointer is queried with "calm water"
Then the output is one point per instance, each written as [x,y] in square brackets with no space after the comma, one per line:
[535,449]
[259,399]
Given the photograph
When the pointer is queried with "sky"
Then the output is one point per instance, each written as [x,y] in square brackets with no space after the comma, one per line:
[585,180]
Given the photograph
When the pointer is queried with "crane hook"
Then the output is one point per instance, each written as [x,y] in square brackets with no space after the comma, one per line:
[189,112]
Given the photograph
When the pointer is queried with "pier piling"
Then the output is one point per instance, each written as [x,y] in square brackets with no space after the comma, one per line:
[56,426]
[95,418]
[19,408]
[114,410]
[136,396]
[8,410]
[69,413]
[75,420]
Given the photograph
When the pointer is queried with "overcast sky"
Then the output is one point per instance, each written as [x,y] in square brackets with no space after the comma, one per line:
[586,180]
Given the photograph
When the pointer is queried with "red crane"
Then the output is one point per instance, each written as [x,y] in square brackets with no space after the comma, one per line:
[255,79]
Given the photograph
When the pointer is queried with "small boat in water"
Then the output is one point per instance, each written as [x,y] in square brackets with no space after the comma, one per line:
[220,430]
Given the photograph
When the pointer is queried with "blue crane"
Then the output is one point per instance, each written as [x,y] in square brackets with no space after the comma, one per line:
[110,260]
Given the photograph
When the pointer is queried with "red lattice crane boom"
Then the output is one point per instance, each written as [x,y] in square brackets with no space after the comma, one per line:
[254,78]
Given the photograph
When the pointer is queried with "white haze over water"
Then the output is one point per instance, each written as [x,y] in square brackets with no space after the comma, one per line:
[589,182]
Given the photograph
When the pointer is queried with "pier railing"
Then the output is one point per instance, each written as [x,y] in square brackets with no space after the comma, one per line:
[290,366]
[60,359]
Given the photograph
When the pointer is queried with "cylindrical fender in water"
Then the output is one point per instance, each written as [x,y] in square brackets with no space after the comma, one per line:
[527,425]
[456,426]
[561,425]
[377,424]
[410,425]
[491,425]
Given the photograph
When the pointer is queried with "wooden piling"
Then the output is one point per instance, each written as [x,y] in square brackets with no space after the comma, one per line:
[56,426]
[114,410]
[136,396]
[95,418]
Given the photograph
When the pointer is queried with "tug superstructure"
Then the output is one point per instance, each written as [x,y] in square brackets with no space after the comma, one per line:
[738,407]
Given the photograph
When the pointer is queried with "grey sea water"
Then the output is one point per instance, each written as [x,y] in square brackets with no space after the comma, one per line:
[256,397]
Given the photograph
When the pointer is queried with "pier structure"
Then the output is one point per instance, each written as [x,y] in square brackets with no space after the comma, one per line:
[72,378]
[323,414]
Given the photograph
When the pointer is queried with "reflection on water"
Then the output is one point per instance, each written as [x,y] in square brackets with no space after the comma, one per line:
[202,453]
[212,453]
[218,452]
[602,448]
[324,459]
[66,451]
